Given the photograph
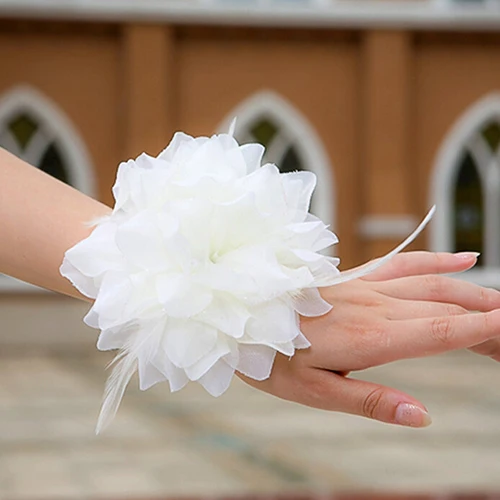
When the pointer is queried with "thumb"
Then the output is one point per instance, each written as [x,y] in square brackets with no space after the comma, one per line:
[374,401]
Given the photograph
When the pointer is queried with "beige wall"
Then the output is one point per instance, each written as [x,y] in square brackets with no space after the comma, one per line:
[380,101]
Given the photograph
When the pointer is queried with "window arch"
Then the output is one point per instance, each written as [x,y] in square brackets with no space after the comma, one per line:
[466,189]
[291,143]
[33,128]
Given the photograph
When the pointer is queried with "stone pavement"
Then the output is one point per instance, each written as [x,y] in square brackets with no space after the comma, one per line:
[188,444]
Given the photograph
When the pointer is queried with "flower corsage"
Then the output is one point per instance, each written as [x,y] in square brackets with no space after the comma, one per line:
[204,266]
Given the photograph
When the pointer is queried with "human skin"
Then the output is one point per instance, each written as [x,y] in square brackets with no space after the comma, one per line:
[403,310]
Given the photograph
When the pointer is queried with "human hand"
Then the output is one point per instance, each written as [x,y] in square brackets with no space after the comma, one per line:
[403,310]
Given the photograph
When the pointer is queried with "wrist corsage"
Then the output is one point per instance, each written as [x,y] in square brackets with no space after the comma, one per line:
[204,266]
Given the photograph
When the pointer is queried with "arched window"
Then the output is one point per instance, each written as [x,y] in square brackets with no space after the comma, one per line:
[36,130]
[466,189]
[290,141]
[23,135]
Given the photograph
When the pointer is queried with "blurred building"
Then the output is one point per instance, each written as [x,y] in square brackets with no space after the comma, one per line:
[395,105]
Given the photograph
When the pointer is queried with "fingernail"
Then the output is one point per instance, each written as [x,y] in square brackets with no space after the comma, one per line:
[467,255]
[412,416]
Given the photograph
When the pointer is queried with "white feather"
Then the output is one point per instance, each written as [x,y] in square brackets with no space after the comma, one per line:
[115,388]
[369,267]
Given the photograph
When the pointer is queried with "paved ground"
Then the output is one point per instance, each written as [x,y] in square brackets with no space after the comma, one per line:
[245,442]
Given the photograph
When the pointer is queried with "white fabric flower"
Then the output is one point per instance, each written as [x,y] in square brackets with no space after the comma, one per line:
[204,266]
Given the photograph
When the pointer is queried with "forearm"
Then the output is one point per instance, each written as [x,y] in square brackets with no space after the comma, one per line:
[40,218]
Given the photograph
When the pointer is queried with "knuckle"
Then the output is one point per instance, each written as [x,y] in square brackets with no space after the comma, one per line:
[373,402]
[441,330]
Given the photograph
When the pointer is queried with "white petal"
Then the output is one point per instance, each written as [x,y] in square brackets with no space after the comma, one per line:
[253,154]
[226,314]
[210,160]
[237,161]
[326,267]
[307,227]
[114,338]
[260,264]
[145,346]
[266,185]
[112,300]
[310,303]
[96,254]
[126,178]
[92,318]
[274,321]
[232,358]
[85,285]
[226,277]
[186,342]
[256,361]
[299,187]
[301,342]
[217,380]
[326,239]
[177,141]
[141,242]
[201,367]
[179,297]
[300,278]
[307,255]
[167,224]
[285,348]
[177,378]
[149,375]
[232,127]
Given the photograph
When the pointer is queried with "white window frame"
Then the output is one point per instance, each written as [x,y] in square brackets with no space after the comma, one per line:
[56,127]
[300,133]
[443,179]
